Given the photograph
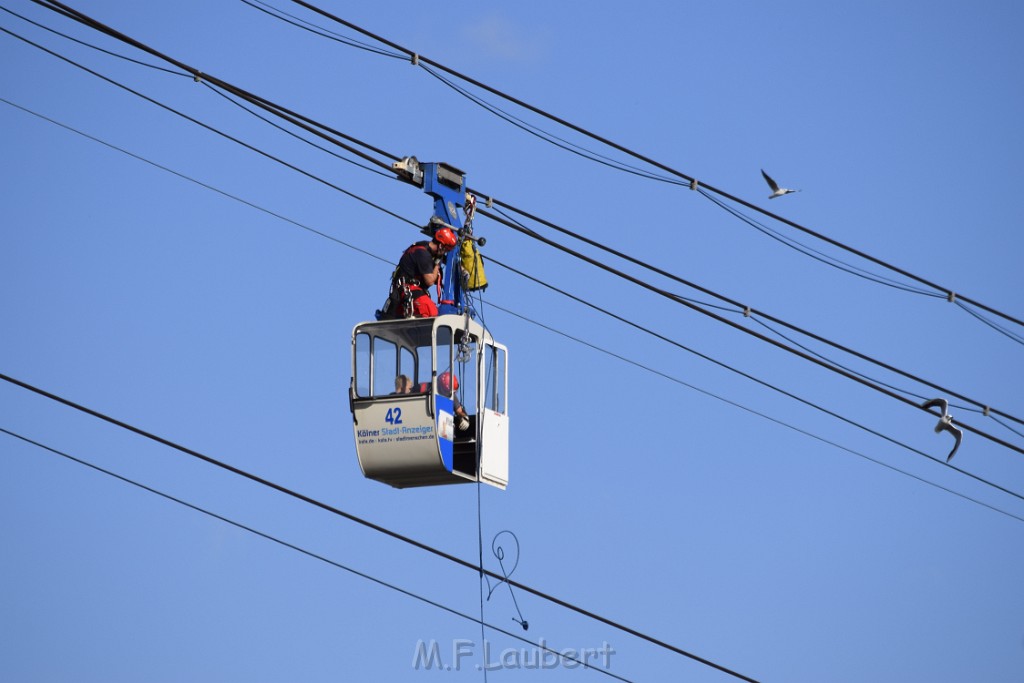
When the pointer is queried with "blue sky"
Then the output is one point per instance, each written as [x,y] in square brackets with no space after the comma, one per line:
[730,520]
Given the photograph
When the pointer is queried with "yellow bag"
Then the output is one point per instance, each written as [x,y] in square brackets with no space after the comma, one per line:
[472,265]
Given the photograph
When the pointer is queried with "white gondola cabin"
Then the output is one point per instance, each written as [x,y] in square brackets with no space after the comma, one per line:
[406,402]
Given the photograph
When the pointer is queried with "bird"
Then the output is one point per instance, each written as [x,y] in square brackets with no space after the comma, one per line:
[945,423]
[776,190]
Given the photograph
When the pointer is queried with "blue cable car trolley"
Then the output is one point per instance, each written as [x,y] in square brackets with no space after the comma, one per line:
[429,396]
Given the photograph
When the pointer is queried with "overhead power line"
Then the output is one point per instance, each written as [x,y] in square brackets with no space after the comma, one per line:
[89,45]
[387,174]
[493,574]
[214,89]
[312,28]
[370,525]
[738,307]
[748,311]
[815,253]
[199,76]
[549,137]
[203,125]
[603,311]
[300,121]
[757,335]
[200,183]
[692,181]
[308,553]
[309,124]
[774,388]
[589,304]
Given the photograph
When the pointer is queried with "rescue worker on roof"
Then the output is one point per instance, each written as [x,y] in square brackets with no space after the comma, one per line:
[417,271]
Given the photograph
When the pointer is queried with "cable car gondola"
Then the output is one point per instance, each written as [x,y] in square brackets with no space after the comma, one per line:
[408,378]
[429,396]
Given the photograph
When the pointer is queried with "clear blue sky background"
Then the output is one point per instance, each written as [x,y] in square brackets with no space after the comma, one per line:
[783,556]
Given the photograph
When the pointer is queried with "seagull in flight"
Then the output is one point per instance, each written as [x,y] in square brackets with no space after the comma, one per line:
[945,423]
[776,190]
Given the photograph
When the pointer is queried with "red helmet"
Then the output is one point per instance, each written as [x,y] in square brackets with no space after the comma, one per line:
[446,238]
[445,381]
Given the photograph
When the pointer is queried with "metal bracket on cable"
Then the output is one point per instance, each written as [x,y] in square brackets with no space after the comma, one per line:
[945,423]
[414,59]
[409,169]
[694,184]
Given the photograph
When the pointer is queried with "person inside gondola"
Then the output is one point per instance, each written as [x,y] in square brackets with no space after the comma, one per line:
[403,385]
[447,385]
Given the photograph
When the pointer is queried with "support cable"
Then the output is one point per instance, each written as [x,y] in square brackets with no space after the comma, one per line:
[690,180]
[816,254]
[779,422]
[519,227]
[90,45]
[984,410]
[370,525]
[293,117]
[757,335]
[65,10]
[227,97]
[206,126]
[308,553]
[549,137]
[578,340]
[746,310]
[299,120]
[756,380]
[200,183]
[317,30]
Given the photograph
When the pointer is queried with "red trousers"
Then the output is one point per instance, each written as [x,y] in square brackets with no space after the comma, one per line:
[424,307]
